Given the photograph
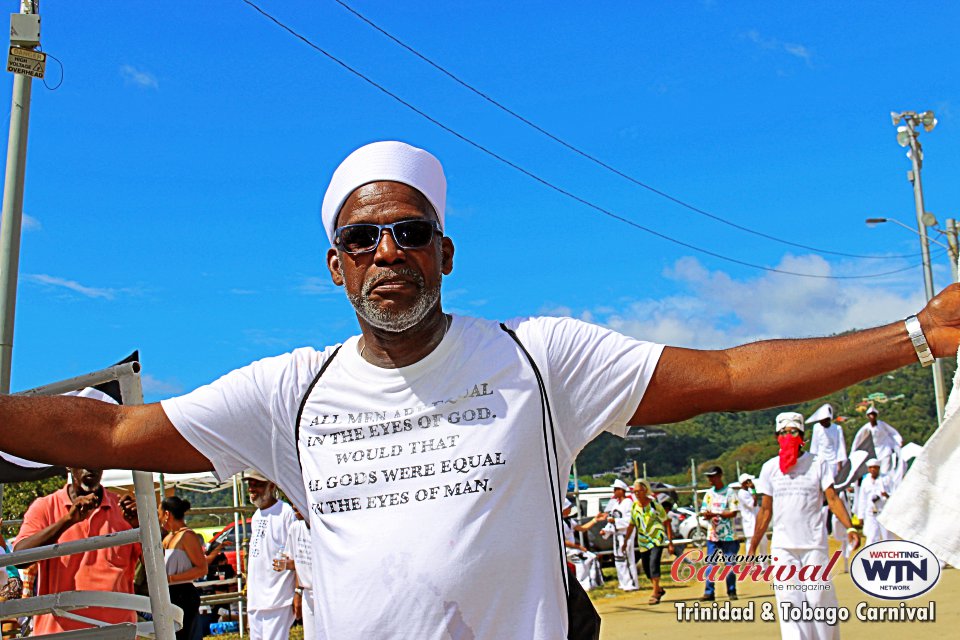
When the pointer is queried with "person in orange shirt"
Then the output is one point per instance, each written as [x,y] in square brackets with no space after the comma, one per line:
[81,509]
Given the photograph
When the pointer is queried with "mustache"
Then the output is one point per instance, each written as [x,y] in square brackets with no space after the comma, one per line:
[390,274]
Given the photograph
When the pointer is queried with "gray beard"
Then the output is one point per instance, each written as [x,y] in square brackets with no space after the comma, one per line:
[395,322]
[262,500]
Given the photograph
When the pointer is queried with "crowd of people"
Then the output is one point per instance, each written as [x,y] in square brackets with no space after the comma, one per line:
[278,576]
[804,494]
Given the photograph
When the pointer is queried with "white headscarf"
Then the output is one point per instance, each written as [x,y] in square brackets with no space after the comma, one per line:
[824,412]
[789,419]
[388,161]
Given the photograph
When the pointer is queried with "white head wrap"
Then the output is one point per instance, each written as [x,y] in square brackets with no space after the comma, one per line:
[384,161]
[873,462]
[824,412]
[789,419]
[872,409]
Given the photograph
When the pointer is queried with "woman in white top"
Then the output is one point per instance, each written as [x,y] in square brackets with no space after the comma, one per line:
[185,561]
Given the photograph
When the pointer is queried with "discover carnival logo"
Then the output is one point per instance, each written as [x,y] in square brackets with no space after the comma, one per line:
[895,569]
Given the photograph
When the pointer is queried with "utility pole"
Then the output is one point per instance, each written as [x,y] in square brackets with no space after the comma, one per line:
[25,34]
[954,254]
[907,136]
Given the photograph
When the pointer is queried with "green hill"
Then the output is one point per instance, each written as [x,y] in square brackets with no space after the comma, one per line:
[747,437]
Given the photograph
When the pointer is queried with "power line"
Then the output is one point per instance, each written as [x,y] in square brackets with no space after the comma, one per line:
[596,160]
[547,183]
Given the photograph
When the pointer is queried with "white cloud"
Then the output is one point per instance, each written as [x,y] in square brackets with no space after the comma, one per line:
[716,310]
[797,50]
[317,286]
[72,285]
[794,49]
[138,77]
[31,224]
[155,386]
[244,292]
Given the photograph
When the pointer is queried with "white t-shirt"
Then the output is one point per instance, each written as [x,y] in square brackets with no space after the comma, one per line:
[870,499]
[797,498]
[302,552]
[828,443]
[624,507]
[429,482]
[749,506]
[266,588]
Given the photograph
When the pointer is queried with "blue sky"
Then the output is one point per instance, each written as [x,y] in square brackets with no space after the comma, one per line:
[174,179]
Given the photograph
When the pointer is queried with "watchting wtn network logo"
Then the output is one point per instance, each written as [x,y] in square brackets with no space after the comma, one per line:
[895,569]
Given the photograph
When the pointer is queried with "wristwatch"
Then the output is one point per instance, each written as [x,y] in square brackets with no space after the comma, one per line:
[298,590]
[919,341]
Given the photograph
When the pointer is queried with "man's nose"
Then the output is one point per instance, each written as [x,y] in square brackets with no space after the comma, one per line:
[388,251]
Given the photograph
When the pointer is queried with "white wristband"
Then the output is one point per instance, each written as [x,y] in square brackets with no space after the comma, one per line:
[919,341]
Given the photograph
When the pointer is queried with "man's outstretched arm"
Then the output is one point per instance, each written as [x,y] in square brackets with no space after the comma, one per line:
[689,382]
[80,432]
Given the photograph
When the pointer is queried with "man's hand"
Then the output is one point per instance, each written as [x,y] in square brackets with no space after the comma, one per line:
[854,538]
[771,373]
[82,507]
[940,321]
[128,505]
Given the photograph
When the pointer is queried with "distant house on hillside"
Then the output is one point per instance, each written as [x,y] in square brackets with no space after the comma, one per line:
[642,433]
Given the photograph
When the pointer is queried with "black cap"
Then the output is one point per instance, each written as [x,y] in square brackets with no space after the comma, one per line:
[712,471]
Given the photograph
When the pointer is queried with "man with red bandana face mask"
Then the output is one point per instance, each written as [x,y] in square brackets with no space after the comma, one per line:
[798,482]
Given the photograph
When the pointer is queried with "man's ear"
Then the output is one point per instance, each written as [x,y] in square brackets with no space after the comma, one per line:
[333,264]
[446,255]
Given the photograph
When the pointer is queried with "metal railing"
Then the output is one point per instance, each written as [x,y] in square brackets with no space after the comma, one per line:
[166,618]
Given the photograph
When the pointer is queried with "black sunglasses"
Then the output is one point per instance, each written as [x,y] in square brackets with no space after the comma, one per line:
[364,237]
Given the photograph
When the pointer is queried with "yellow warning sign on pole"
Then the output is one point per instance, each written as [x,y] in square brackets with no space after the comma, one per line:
[27,61]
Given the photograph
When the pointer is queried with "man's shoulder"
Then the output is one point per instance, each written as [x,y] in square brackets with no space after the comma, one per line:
[51,500]
[770,466]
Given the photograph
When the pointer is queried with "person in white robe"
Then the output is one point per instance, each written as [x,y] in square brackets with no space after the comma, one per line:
[749,507]
[583,560]
[872,497]
[827,441]
[619,509]
[886,444]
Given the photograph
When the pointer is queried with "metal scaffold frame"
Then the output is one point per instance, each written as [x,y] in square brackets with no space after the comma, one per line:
[166,617]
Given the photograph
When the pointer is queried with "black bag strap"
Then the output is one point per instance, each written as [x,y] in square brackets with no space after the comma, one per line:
[552,468]
[303,403]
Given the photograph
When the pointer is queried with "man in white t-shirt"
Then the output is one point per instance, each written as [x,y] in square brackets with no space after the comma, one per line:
[424,443]
[301,563]
[827,442]
[793,486]
[749,508]
[269,586]
[871,498]
[619,508]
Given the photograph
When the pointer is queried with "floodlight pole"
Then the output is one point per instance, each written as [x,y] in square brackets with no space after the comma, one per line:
[12,215]
[911,121]
[953,252]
